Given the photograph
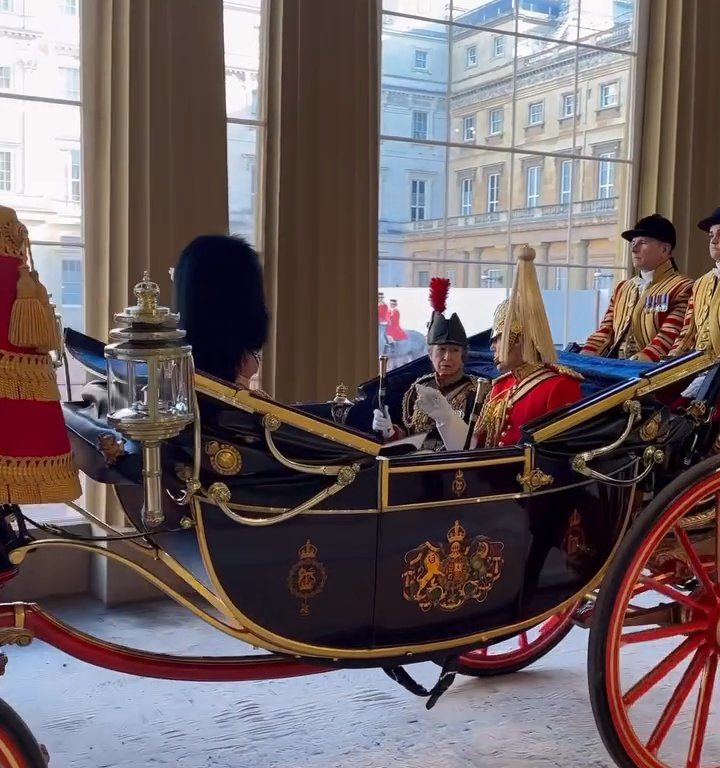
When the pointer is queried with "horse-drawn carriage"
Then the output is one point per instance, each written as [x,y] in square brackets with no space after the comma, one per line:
[295,530]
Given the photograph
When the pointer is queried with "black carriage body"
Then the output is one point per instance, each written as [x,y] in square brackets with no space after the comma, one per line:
[420,555]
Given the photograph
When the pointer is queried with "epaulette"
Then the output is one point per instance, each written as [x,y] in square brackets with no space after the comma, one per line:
[567,371]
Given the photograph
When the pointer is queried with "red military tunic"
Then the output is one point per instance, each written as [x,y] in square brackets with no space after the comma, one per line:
[521,395]
[383,311]
[393,330]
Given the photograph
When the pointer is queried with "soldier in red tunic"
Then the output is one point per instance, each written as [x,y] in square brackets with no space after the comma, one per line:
[383,309]
[394,330]
[36,464]
[531,383]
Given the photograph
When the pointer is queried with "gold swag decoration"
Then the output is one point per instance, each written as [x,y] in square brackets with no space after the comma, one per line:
[526,309]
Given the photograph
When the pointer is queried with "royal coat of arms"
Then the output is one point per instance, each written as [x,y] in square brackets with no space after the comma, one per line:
[436,577]
[307,577]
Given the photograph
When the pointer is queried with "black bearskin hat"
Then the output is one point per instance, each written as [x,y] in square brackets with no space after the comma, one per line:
[219,294]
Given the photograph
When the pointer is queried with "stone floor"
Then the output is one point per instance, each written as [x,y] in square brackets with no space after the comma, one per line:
[92,718]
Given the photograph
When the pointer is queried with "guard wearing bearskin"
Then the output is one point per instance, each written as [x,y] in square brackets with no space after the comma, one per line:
[462,392]
[531,383]
[36,464]
[701,327]
[645,314]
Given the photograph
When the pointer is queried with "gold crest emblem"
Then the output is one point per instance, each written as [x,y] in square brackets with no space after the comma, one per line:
[651,428]
[574,543]
[459,485]
[225,459]
[307,577]
[438,578]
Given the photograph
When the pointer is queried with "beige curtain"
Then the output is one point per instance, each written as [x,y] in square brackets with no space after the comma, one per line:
[155,163]
[321,222]
[680,168]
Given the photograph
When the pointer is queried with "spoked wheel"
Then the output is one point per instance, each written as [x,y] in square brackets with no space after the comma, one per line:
[519,651]
[655,635]
[18,748]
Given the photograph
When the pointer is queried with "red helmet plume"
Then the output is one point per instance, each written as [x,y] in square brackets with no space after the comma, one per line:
[439,288]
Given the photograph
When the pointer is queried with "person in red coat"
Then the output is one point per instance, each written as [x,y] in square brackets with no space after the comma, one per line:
[394,330]
[383,309]
[530,382]
[36,464]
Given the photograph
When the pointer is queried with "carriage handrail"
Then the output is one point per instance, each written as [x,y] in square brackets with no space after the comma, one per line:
[651,456]
[579,463]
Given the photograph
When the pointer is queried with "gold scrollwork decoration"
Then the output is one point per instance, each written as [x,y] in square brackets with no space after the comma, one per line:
[16,636]
[219,492]
[225,459]
[307,577]
[651,428]
[271,422]
[111,447]
[535,479]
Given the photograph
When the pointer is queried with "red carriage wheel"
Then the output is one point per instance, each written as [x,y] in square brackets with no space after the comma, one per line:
[18,748]
[655,634]
[519,651]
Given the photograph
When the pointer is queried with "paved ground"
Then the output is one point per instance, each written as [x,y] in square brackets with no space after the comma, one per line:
[92,718]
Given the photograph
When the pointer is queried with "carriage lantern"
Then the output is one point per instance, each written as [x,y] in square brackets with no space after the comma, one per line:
[149,374]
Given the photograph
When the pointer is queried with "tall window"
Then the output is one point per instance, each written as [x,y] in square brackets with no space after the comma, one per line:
[606,177]
[566,182]
[417,199]
[419,125]
[72,170]
[533,186]
[466,197]
[540,173]
[71,82]
[495,125]
[6,171]
[71,295]
[6,5]
[245,23]
[5,78]
[69,7]
[469,128]
[493,192]
[421,60]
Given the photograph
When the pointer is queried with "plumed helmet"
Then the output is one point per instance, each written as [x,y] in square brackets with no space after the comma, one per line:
[442,330]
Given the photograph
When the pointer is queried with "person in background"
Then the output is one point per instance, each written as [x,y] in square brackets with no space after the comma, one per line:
[394,330]
[645,314]
[530,382]
[383,309]
[447,342]
[701,327]
[219,293]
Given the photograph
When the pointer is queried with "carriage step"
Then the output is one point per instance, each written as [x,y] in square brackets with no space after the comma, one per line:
[447,676]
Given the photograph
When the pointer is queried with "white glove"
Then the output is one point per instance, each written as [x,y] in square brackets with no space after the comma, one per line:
[451,427]
[383,423]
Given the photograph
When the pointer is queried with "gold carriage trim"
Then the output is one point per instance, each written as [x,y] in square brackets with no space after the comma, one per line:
[27,377]
[38,480]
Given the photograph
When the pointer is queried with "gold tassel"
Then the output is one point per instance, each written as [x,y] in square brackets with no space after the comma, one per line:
[28,377]
[39,480]
[29,320]
[527,308]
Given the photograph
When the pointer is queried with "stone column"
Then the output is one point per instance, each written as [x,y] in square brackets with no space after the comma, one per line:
[542,252]
[578,277]
[475,269]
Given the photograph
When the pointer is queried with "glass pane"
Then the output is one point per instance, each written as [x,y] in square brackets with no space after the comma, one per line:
[428,9]
[40,172]
[243,143]
[415,81]
[608,23]
[482,87]
[40,50]
[242,31]
[589,292]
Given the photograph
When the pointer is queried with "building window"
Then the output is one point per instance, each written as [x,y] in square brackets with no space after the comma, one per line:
[495,122]
[72,173]
[602,280]
[72,282]
[606,177]
[493,192]
[466,197]
[421,60]
[419,125]
[533,186]
[71,80]
[6,171]
[609,95]
[471,56]
[561,279]
[418,209]
[492,278]
[568,105]
[6,5]
[535,113]
[566,168]
[469,128]
[451,275]
[498,46]
[5,78]
[69,7]
[423,278]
